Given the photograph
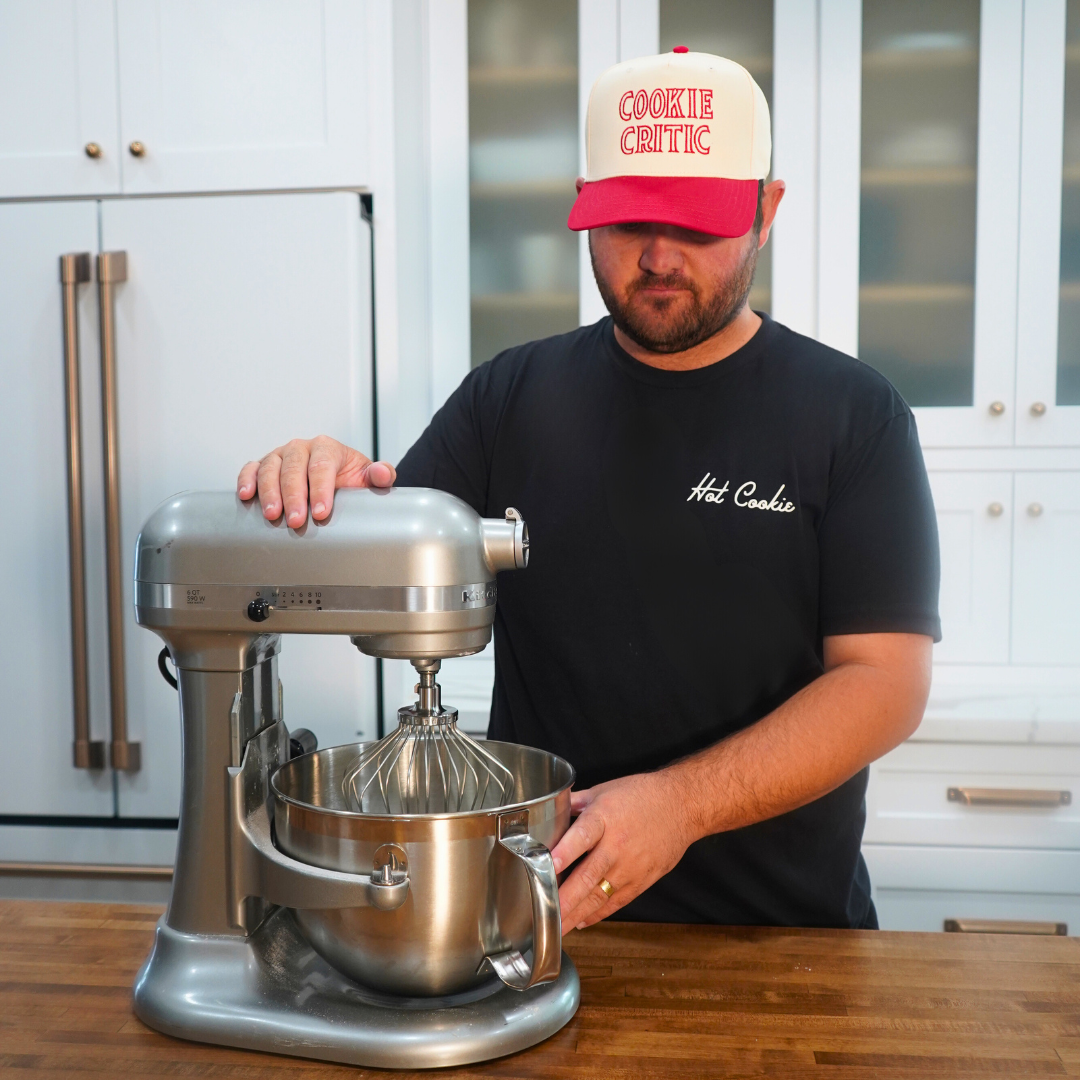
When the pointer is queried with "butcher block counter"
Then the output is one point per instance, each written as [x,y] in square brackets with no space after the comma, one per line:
[657,1001]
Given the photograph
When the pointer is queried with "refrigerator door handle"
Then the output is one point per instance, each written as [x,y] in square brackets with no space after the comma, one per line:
[123,753]
[86,752]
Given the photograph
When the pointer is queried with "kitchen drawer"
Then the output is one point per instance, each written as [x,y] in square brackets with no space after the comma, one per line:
[917,909]
[908,801]
[919,887]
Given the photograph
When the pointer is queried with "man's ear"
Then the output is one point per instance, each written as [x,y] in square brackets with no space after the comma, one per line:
[770,200]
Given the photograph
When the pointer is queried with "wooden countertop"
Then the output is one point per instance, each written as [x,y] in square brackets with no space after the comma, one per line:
[657,1001]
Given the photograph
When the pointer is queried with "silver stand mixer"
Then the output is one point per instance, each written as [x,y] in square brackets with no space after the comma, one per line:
[390,905]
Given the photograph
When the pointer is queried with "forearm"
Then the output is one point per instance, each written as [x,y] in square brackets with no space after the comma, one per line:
[804,749]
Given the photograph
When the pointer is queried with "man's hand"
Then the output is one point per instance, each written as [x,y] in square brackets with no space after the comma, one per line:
[634,832]
[320,466]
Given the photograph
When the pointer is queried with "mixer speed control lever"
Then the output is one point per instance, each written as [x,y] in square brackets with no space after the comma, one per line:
[258,610]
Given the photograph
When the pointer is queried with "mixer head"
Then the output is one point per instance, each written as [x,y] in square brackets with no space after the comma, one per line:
[426,766]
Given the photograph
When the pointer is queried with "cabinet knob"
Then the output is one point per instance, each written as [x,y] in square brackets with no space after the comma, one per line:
[137,149]
[997,408]
[1037,408]
[995,509]
[1035,509]
[92,150]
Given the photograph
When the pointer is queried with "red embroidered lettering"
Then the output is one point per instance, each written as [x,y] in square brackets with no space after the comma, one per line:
[644,139]
[631,131]
[625,111]
[699,146]
[657,103]
[670,130]
[641,104]
[691,113]
[674,105]
[688,137]
[706,105]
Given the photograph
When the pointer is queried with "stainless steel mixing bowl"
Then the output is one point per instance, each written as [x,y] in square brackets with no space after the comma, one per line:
[482,888]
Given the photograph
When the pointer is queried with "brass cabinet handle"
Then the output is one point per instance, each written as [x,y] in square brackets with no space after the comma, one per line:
[93,150]
[1038,408]
[1005,926]
[995,509]
[137,149]
[997,408]
[112,268]
[87,754]
[1035,509]
[1009,797]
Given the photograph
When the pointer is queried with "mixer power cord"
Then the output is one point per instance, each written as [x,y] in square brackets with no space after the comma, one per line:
[166,674]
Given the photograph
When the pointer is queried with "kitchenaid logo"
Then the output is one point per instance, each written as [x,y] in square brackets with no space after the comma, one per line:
[666,103]
[472,596]
[709,491]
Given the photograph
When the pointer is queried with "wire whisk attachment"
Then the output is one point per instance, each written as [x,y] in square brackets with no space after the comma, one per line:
[426,766]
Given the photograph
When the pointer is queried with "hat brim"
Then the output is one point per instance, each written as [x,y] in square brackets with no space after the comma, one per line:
[705,204]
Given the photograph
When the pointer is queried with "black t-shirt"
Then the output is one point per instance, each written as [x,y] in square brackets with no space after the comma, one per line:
[694,536]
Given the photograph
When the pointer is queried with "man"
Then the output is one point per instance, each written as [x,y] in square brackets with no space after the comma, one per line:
[732,594]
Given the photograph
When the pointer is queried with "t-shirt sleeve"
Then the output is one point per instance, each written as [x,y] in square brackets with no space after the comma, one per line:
[454,452]
[877,540]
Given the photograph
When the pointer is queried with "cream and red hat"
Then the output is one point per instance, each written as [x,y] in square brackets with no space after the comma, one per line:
[681,139]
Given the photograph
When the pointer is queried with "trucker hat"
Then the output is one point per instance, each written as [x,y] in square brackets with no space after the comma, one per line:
[681,139]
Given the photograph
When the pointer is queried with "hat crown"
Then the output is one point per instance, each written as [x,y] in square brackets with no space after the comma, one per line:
[678,114]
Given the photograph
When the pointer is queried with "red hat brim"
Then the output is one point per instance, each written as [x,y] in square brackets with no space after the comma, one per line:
[703,203]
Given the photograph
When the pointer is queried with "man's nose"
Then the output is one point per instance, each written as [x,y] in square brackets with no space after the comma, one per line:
[660,255]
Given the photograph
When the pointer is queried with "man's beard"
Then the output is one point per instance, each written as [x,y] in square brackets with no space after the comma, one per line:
[658,328]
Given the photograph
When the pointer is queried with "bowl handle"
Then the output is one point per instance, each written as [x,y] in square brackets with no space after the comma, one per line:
[511,966]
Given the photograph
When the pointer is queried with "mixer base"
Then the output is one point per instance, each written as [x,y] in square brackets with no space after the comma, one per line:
[273,992]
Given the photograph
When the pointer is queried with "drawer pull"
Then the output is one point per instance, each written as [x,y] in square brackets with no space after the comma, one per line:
[1012,797]
[1005,926]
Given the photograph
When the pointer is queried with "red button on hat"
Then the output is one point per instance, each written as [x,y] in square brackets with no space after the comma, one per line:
[680,48]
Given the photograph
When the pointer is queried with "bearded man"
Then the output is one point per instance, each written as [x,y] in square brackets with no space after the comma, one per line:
[731,600]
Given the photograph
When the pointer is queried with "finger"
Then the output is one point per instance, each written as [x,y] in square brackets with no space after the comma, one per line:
[380,474]
[269,485]
[619,899]
[246,481]
[582,836]
[581,895]
[324,465]
[581,800]
[294,482]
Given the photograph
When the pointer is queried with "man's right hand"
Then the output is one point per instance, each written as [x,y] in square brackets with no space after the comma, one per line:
[309,469]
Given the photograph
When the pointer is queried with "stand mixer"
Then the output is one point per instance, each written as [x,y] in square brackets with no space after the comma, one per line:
[391,904]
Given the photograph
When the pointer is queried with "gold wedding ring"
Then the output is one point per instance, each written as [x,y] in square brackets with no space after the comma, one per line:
[606,885]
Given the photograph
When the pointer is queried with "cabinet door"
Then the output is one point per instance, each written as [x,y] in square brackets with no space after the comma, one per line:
[244,322]
[1048,332]
[974,515]
[228,95]
[58,88]
[936,150]
[1046,569]
[37,716]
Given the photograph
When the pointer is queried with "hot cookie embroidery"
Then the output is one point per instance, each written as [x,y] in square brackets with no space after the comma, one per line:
[708,491]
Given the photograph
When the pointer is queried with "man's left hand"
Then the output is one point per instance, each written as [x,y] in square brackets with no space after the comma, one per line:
[635,830]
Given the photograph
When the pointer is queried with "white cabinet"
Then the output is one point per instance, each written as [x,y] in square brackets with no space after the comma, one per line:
[172,96]
[244,94]
[244,322]
[1046,575]
[974,518]
[1048,344]
[58,120]
[37,713]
